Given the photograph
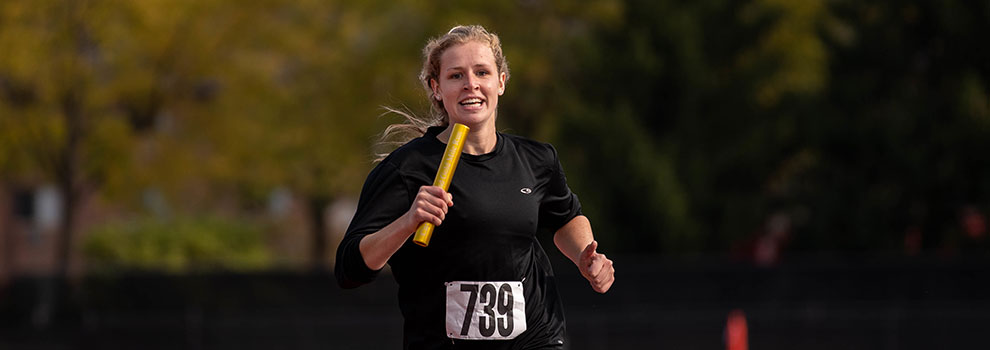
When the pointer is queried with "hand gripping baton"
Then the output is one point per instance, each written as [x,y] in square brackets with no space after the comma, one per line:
[446,171]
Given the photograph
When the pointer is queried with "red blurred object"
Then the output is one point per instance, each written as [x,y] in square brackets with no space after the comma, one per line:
[912,241]
[973,223]
[765,246]
[736,332]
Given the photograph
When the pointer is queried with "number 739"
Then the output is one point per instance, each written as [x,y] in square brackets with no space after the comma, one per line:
[492,310]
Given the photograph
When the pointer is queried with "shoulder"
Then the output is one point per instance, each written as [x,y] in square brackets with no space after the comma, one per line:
[537,152]
[414,163]
[397,167]
[409,154]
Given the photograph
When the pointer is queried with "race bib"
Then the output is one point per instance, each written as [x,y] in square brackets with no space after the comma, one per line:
[485,310]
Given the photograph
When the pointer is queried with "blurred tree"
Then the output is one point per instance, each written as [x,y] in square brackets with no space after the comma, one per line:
[178,245]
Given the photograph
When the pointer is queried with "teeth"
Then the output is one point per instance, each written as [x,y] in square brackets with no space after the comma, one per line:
[471,101]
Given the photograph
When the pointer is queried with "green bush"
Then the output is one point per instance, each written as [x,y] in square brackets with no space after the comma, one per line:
[177,245]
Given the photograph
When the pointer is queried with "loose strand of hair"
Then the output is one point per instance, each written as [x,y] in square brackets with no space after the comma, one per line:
[398,134]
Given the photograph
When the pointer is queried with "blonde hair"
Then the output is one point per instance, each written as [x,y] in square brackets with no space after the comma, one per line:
[414,126]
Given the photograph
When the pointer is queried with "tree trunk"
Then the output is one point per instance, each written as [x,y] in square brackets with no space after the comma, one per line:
[68,182]
[317,215]
[67,172]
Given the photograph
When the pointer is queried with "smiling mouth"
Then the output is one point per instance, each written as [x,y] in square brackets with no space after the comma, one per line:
[471,102]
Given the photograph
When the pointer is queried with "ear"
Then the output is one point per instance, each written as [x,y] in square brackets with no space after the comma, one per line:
[436,89]
[501,83]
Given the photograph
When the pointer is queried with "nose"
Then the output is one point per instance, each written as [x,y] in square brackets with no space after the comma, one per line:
[471,83]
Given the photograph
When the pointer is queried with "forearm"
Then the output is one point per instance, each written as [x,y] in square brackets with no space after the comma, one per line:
[573,237]
[430,205]
[577,242]
[378,247]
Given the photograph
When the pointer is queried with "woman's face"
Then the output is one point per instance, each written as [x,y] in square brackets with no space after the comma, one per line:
[469,84]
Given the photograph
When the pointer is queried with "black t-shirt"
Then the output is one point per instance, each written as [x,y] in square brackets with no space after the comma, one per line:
[501,200]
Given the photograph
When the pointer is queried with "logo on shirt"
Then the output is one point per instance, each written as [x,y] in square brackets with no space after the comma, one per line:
[525,190]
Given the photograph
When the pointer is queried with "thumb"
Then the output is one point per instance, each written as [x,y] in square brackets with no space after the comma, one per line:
[589,251]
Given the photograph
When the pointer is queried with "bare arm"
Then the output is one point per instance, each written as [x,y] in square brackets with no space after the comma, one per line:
[577,242]
[431,204]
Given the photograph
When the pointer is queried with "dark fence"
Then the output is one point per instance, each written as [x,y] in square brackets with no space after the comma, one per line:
[807,304]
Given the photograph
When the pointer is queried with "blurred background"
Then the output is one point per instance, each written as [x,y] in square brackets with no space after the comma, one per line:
[795,174]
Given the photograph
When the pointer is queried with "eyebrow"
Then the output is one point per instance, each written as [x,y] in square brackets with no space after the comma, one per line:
[481,65]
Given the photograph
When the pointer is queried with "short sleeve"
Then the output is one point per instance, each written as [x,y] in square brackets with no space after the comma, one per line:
[384,198]
[559,204]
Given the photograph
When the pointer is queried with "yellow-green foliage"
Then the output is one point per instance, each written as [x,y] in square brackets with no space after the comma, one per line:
[177,245]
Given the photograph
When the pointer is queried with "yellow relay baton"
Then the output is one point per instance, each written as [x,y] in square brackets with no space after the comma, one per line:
[446,171]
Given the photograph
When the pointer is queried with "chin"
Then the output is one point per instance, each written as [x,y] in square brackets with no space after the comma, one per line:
[470,120]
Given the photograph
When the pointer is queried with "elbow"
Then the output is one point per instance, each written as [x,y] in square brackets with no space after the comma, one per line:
[344,280]
[351,272]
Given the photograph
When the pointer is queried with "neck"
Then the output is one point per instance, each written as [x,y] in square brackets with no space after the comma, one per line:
[480,140]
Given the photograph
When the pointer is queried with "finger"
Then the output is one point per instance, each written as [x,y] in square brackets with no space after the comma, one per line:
[604,287]
[602,267]
[441,205]
[595,267]
[422,215]
[605,278]
[605,273]
[431,214]
[606,262]
[428,206]
[437,202]
[442,195]
[599,286]
[438,193]
[435,191]
[432,191]
[601,274]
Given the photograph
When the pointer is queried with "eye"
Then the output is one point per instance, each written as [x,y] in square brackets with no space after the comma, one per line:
[482,73]
[456,76]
